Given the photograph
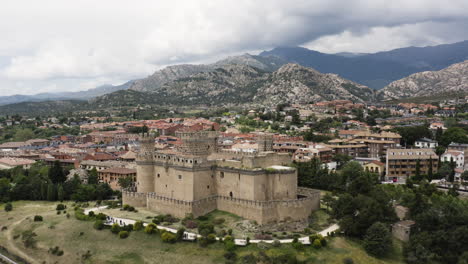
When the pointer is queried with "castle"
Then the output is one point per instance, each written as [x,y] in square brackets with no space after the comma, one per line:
[197,178]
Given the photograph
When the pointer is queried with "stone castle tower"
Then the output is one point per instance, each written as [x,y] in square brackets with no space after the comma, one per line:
[145,168]
[265,142]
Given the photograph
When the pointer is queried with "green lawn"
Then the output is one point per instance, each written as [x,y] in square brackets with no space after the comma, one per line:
[76,237]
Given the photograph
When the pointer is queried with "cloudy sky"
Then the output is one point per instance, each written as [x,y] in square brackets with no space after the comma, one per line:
[65,45]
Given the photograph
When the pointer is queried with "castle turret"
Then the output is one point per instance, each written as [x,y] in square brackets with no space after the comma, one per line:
[145,168]
[265,142]
[200,143]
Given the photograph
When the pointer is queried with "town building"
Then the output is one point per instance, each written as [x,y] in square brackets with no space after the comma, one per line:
[197,177]
[401,163]
[111,176]
[9,163]
[456,156]
[426,143]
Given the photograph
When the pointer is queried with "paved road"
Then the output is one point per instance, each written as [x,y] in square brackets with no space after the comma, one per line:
[192,236]
[7,259]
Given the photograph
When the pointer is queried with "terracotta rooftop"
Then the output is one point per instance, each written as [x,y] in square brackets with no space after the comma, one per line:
[123,171]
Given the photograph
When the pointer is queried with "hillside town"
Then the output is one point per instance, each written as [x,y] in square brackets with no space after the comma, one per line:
[379,137]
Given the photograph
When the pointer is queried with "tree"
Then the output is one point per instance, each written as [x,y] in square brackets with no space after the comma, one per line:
[51,192]
[429,171]
[24,134]
[93,176]
[378,240]
[56,174]
[125,182]
[418,170]
[328,200]
[60,193]
[454,134]
[351,171]
[4,188]
[341,159]
[446,170]
[28,238]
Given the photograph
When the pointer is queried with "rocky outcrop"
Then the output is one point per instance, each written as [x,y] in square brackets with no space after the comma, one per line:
[293,83]
[162,77]
[451,79]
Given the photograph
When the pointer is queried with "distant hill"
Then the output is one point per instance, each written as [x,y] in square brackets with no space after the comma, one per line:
[378,69]
[238,84]
[453,79]
[44,108]
[172,73]
[81,95]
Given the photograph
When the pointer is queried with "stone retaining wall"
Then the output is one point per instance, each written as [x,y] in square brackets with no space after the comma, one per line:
[261,211]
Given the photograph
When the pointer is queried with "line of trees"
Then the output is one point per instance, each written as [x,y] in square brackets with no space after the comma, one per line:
[42,182]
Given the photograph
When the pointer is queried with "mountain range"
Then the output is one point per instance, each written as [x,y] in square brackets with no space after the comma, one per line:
[453,79]
[81,95]
[379,69]
[282,75]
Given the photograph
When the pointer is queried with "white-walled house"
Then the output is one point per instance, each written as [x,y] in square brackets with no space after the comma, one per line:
[454,155]
[426,143]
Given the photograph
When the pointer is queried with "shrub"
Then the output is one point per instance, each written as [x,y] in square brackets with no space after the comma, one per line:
[230,231]
[323,241]
[99,225]
[115,228]
[307,230]
[138,226]
[228,238]
[218,221]
[58,212]
[128,227]
[211,238]
[131,209]
[126,207]
[248,259]
[151,228]
[276,243]
[8,207]
[221,233]
[205,229]
[168,237]
[378,240]
[68,215]
[229,245]
[156,221]
[202,218]
[298,245]
[56,251]
[191,224]
[60,207]
[91,214]
[101,216]
[348,261]
[230,255]
[317,244]
[180,234]
[38,218]
[123,234]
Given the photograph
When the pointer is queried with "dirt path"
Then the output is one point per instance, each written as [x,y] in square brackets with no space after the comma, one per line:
[11,242]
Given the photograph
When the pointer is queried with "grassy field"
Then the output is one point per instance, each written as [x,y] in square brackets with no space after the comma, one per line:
[76,237]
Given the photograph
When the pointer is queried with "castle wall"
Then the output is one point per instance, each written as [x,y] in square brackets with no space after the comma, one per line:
[134,199]
[174,183]
[145,178]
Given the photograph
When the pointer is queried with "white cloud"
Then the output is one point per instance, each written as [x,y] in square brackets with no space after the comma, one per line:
[69,45]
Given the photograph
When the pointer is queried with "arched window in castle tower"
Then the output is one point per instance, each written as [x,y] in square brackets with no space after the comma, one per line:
[180,177]
[159,175]
[230,194]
